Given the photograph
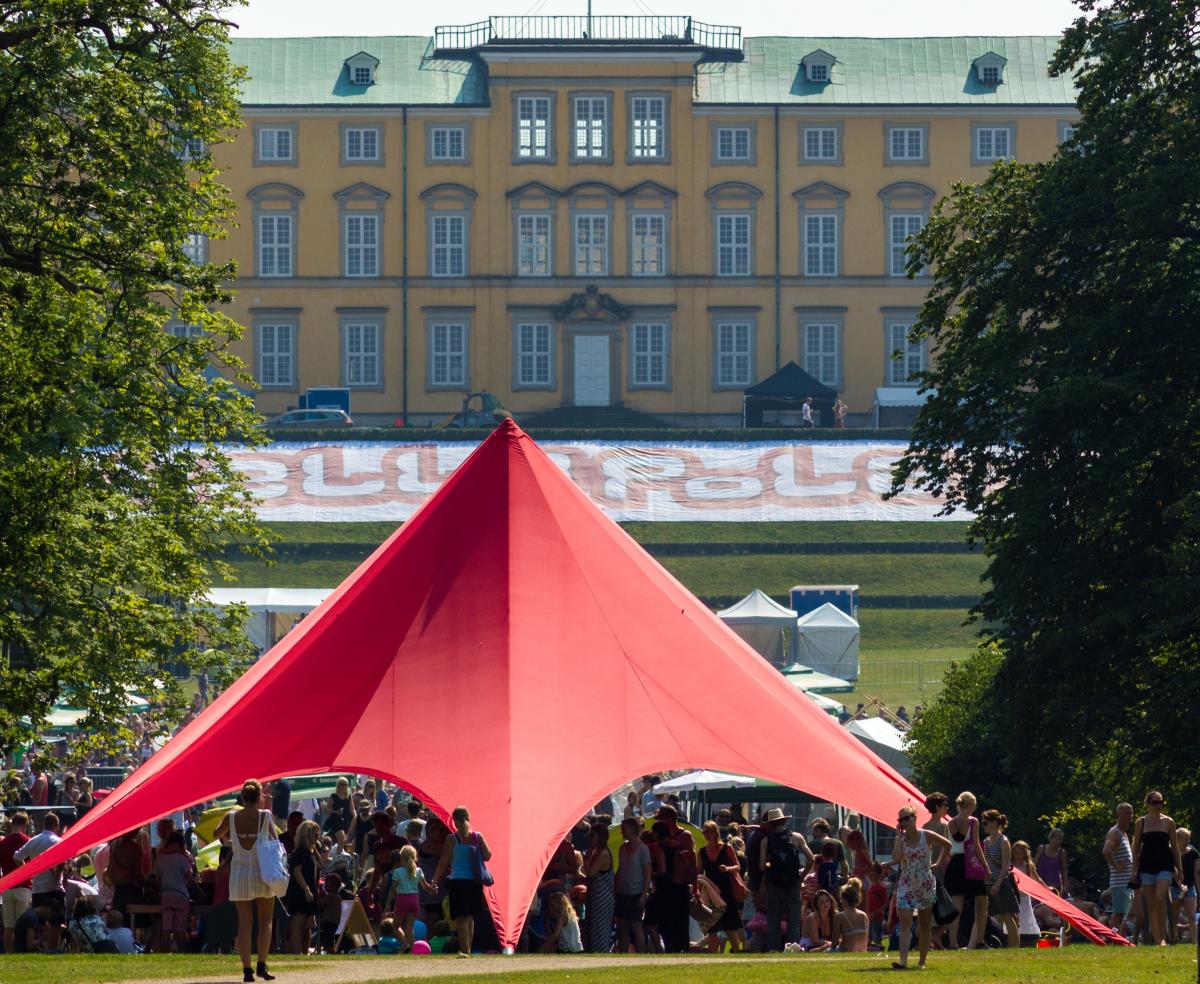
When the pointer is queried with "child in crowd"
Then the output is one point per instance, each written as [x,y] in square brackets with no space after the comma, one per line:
[877,900]
[329,910]
[563,926]
[173,868]
[828,868]
[389,944]
[404,882]
[119,933]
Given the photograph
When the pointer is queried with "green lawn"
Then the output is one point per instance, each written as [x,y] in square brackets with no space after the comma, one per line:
[1075,965]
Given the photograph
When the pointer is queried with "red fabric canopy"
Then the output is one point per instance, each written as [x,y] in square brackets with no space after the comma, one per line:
[512,649]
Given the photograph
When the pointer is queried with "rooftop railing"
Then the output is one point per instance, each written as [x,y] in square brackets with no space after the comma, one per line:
[582,30]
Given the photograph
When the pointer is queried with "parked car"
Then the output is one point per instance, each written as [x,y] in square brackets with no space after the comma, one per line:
[309,420]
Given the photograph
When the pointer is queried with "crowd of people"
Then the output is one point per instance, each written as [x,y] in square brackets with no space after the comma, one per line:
[758,885]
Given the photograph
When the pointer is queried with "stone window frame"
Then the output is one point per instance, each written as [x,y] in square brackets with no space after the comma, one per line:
[889,126]
[580,201]
[275,191]
[606,96]
[650,198]
[376,316]
[823,315]
[277,317]
[357,193]
[344,129]
[733,198]
[665,96]
[1009,125]
[533,198]
[533,316]
[802,128]
[651,315]
[457,315]
[903,198]
[731,315]
[260,161]
[894,317]
[430,127]
[822,198]
[551,126]
[435,197]
[714,135]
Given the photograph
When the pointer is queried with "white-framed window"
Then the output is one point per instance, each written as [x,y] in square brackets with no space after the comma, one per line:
[195,247]
[649,345]
[906,143]
[191,149]
[733,245]
[362,143]
[735,345]
[274,245]
[649,119]
[276,353]
[590,127]
[649,245]
[534,245]
[821,142]
[448,354]
[733,143]
[180,330]
[448,249]
[591,245]
[362,245]
[901,228]
[448,143]
[821,352]
[820,245]
[992,143]
[990,74]
[361,356]
[818,73]
[275,143]
[1067,132]
[533,354]
[533,127]
[902,370]
[362,75]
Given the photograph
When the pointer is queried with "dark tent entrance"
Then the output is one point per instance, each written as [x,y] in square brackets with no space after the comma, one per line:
[778,399]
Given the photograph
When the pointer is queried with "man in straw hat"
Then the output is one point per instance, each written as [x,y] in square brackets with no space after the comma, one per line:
[780,854]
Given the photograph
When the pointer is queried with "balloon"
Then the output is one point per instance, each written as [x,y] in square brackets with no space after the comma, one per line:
[420,931]
[420,948]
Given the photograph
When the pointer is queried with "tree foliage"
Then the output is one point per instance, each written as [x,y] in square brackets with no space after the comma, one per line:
[1064,317]
[115,487]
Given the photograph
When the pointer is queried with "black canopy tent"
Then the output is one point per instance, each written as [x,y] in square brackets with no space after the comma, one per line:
[786,389]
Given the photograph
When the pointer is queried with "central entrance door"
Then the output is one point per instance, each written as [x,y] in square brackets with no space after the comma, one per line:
[592,371]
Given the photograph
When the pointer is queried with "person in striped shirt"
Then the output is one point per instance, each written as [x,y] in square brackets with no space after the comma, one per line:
[1119,856]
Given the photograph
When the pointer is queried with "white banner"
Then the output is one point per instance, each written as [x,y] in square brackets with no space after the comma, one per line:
[358,481]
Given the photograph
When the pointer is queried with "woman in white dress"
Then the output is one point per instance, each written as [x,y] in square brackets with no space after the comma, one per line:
[247,890]
[1022,861]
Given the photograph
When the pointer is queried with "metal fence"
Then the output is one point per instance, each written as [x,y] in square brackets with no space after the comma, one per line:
[580,28]
[908,673]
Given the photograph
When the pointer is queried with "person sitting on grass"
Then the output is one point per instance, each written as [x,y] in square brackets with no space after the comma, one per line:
[818,926]
[389,943]
[88,929]
[851,926]
[119,933]
[563,923]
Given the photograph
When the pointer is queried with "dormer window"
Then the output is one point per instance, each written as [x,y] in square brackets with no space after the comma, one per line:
[818,66]
[361,68]
[989,69]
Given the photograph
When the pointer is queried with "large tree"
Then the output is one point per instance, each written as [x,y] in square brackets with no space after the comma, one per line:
[115,489]
[1065,321]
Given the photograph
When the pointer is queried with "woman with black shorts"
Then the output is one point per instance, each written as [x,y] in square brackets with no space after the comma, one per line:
[462,857]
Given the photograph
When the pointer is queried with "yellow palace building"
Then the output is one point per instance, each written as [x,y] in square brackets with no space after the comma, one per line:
[628,212]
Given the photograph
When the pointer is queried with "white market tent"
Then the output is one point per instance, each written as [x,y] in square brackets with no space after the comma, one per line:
[827,704]
[763,623]
[827,640]
[884,739]
[265,604]
[811,682]
[703,779]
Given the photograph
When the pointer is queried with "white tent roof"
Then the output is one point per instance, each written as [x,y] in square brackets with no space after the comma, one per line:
[884,739]
[825,616]
[704,779]
[757,607]
[827,704]
[810,681]
[270,599]
[900,396]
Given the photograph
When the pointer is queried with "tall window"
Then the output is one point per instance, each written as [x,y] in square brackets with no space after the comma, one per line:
[191,149]
[362,353]
[274,245]
[275,144]
[649,118]
[276,354]
[533,127]
[820,143]
[906,143]
[195,247]
[901,228]
[649,245]
[448,353]
[992,143]
[591,127]
[533,245]
[448,143]
[533,354]
[733,143]
[649,354]
[362,245]
[448,249]
[821,352]
[902,369]
[362,144]
[820,245]
[734,346]
[733,245]
[591,245]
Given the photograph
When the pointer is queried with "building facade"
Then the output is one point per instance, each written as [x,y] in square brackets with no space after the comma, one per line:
[656,215]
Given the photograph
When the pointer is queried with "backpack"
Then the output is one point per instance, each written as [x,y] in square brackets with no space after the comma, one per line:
[783,860]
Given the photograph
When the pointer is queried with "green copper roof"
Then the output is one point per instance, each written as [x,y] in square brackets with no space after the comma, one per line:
[886,71]
[312,72]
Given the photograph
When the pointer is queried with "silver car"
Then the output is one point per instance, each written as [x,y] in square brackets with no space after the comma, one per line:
[309,420]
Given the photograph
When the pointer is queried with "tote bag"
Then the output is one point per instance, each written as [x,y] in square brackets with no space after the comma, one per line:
[973,868]
[482,875]
[272,859]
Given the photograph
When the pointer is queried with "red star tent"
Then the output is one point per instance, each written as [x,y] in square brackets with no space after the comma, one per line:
[512,649]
